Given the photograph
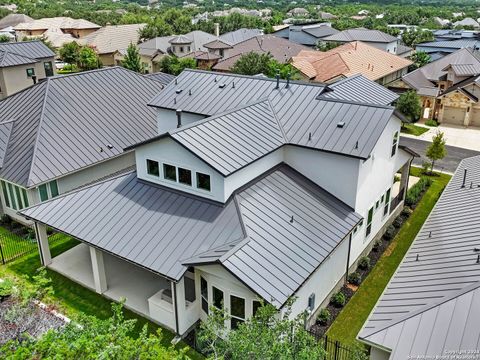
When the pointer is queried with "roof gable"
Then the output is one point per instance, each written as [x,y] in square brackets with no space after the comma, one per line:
[361,34]
[29,49]
[11,59]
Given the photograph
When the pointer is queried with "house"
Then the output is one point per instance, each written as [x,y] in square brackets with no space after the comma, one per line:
[270,192]
[469,22]
[326,15]
[430,308]
[446,34]
[298,12]
[23,64]
[12,20]
[350,59]
[448,88]
[309,34]
[280,49]
[375,38]
[57,30]
[240,35]
[439,49]
[108,40]
[68,131]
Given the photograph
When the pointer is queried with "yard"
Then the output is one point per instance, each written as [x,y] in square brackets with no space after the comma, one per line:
[350,321]
[73,299]
[412,129]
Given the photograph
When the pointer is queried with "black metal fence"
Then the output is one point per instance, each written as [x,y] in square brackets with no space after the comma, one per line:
[334,349]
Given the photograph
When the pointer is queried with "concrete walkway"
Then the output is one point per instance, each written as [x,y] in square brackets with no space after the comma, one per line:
[457,136]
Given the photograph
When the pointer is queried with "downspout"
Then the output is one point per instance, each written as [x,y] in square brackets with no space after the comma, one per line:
[408,178]
[176,307]
[348,256]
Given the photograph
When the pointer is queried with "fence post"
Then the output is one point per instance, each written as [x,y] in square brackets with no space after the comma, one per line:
[326,343]
[337,345]
[1,253]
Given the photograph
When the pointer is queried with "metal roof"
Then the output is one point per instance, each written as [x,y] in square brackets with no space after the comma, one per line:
[66,123]
[31,49]
[234,37]
[5,132]
[437,281]
[161,77]
[10,59]
[466,69]
[305,120]
[320,31]
[218,44]
[450,44]
[166,231]
[361,34]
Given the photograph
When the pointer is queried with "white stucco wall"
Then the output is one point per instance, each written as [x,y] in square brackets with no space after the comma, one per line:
[167,119]
[389,47]
[337,174]
[378,354]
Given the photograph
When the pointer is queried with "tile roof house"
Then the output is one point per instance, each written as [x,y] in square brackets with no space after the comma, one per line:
[70,130]
[350,59]
[448,88]
[225,205]
[12,20]
[22,64]
[430,308]
[309,34]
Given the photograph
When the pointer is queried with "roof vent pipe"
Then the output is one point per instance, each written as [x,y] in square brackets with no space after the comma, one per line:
[179,118]
[277,76]
[288,80]
[34,78]
[464,177]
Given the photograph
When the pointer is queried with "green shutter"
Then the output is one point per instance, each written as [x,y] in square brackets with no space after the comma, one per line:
[42,190]
[19,197]
[5,193]
[25,198]
[54,188]
[12,196]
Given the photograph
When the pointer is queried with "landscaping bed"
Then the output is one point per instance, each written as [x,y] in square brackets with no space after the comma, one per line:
[366,264]
[412,129]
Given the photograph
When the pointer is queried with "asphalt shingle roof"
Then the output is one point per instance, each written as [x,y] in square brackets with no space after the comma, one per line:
[65,123]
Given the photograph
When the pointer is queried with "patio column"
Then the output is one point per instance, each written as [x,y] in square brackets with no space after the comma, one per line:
[98,268]
[42,241]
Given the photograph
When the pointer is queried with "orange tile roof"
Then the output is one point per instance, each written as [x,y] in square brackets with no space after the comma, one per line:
[347,60]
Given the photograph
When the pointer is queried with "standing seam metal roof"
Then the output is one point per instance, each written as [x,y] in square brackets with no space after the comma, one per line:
[35,49]
[361,34]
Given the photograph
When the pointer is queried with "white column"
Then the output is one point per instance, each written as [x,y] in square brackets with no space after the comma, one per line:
[98,268]
[42,241]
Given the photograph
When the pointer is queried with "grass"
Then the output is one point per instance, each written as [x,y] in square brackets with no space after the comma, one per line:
[350,321]
[412,129]
[12,244]
[73,299]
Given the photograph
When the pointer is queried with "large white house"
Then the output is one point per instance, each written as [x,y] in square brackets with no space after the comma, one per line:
[254,189]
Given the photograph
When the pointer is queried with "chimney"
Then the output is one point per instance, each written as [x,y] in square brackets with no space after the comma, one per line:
[179,118]
[34,78]
[217,29]
[277,76]
[464,177]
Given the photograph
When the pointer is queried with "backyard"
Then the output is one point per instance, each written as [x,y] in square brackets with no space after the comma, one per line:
[72,299]
[412,129]
[351,319]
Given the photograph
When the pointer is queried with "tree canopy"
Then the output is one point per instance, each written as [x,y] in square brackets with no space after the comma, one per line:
[409,105]
[174,65]
[132,60]
[419,58]
[254,63]
[412,37]
[437,149]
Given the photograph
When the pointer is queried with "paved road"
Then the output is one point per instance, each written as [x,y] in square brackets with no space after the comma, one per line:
[448,164]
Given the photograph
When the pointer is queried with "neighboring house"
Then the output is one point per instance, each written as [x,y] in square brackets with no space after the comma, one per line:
[445,34]
[448,88]
[68,131]
[466,22]
[430,308]
[57,30]
[375,38]
[326,15]
[280,49]
[237,36]
[306,34]
[12,20]
[23,64]
[271,191]
[108,40]
[439,49]
[298,12]
[350,59]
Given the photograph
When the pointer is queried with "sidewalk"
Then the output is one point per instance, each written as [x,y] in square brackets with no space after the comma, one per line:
[458,136]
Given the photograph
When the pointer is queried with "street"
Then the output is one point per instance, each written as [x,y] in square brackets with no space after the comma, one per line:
[448,164]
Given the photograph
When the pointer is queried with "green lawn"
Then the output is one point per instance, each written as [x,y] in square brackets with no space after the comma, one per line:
[412,129]
[13,244]
[353,316]
[73,299]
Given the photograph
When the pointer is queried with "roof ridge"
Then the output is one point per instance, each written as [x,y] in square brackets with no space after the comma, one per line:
[282,130]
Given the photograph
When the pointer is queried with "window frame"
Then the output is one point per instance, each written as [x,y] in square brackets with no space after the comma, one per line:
[31,73]
[395,143]
[178,176]
[254,311]
[149,163]
[5,194]
[368,229]
[43,186]
[388,194]
[236,317]
[198,182]
[53,193]
[13,200]
[214,288]
[164,165]
[204,298]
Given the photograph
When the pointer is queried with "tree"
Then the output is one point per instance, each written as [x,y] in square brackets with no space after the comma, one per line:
[252,63]
[419,58]
[4,38]
[327,45]
[174,65]
[132,60]
[69,52]
[409,105]
[267,335]
[412,37]
[88,59]
[436,150]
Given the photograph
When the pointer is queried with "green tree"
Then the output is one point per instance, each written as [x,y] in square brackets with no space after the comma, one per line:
[437,149]
[409,105]
[413,37]
[4,38]
[69,52]
[327,45]
[88,59]
[419,58]
[252,63]
[132,60]
[265,336]
[174,65]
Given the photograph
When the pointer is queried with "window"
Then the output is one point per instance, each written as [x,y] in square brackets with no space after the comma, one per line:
[42,190]
[25,198]
[15,196]
[181,48]
[387,202]
[382,199]
[204,294]
[53,188]
[395,143]
[48,68]
[217,297]
[12,197]
[30,72]
[237,311]
[255,306]
[5,193]
[377,204]
[185,176]
[369,221]
[153,168]
[169,172]
[203,181]
[19,197]
[188,48]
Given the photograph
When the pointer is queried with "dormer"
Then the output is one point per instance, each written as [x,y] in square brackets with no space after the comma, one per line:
[460,72]
[180,45]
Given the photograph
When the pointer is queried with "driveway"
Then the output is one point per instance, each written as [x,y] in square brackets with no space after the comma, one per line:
[448,164]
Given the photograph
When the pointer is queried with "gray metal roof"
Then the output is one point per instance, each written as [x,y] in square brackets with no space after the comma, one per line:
[11,59]
[305,120]
[234,37]
[165,231]
[466,69]
[450,44]
[66,123]
[361,34]
[31,49]
[5,132]
[320,31]
[431,296]
[161,77]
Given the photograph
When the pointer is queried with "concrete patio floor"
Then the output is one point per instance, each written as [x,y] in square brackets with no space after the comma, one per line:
[124,280]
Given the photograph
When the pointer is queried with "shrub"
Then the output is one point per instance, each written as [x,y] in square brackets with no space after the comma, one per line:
[376,246]
[431,122]
[406,212]
[426,166]
[6,288]
[390,232]
[416,191]
[354,278]
[398,222]
[338,300]
[324,317]
[364,263]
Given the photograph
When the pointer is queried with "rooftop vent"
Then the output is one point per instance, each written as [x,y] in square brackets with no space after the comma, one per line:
[179,91]
[110,146]
[221,86]
[356,145]
[341,124]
